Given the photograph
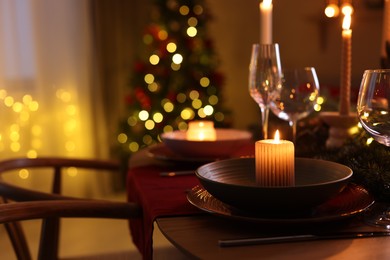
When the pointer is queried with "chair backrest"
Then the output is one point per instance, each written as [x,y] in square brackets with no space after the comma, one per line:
[30,204]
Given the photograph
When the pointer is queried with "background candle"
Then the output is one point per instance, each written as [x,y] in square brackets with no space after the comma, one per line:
[346,60]
[201,131]
[266,22]
[274,162]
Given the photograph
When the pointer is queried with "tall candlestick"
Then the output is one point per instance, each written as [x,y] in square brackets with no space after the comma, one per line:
[266,22]
[346,62]
[274,162]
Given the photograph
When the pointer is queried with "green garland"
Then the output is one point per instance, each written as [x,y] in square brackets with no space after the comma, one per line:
[370,163]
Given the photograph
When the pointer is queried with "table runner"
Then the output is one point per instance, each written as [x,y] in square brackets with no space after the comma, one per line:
[159,197]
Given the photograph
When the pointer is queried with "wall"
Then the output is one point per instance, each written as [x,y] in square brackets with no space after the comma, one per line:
[305,36]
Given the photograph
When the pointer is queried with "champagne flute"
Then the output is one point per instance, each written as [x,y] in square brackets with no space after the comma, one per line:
[297,96]
[264,76]
[374,115]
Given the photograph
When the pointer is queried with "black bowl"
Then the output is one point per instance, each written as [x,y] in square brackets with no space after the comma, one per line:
[233,182]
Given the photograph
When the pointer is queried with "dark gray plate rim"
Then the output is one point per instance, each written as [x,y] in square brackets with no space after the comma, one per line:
[353,200]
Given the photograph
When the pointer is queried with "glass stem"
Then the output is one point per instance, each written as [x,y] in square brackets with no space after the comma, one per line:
[264,121]
[293,125]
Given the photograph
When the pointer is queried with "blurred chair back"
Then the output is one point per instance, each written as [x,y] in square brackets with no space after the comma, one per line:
[18,203]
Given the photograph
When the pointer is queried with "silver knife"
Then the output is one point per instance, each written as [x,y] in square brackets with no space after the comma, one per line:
[177,173]
[297,238]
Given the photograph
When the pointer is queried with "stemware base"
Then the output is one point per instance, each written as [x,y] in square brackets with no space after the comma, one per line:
[338,127]
[378,215]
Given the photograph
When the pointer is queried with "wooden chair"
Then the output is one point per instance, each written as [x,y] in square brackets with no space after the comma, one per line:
[17,203]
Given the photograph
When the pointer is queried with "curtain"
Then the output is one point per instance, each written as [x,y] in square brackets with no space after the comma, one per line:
[47,91]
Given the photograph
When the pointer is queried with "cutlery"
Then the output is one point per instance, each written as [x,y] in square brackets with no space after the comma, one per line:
[297,238]
[176,173]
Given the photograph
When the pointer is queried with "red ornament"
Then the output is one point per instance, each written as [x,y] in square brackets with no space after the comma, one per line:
[129,99]
[218,78]
[139,67]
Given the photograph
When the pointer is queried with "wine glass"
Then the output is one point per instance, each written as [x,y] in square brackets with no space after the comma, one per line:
[297,96]
[264,77]
[374,115]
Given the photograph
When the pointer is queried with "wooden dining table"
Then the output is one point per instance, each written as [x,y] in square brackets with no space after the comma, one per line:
[197,234]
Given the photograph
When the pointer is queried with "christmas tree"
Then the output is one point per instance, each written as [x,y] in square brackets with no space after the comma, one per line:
[175,78]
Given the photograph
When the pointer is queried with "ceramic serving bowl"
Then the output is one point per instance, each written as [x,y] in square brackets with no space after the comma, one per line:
[226,143]
[233,182]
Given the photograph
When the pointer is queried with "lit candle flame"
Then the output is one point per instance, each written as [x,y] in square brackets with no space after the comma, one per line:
[347,22]
[277,137]
[267,2]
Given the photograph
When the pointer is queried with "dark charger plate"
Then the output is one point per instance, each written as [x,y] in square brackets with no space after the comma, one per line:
[351,201]
[233,182]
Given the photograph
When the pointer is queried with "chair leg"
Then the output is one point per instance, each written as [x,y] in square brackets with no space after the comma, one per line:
[49,242]
[18,240]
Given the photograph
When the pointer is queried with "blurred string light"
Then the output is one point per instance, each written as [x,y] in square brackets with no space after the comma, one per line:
[333,8]
[317,106]
[16,124]
[22,134]
[187,104]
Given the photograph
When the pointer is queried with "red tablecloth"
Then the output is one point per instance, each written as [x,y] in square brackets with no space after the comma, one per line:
[159,197]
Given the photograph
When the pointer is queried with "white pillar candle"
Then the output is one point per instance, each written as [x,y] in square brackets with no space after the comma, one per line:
[201,131]
[274,162]
[266,22]
[346,63]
